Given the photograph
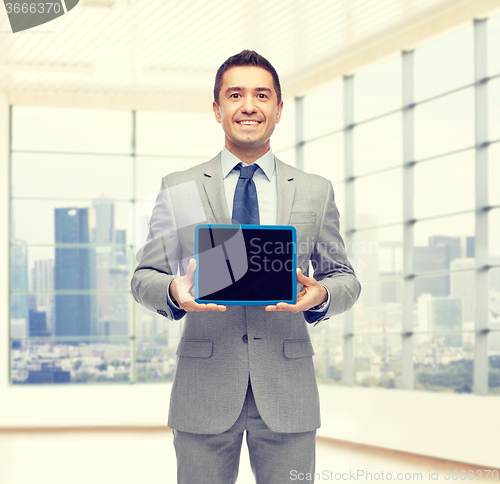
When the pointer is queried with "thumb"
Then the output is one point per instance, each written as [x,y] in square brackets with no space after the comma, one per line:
[301,278]
[191,268]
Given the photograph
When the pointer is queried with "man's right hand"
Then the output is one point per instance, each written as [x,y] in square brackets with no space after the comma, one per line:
[181,292]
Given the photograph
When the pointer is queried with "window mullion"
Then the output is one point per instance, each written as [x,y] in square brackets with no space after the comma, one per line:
[299,132]
[408,217]
[481,215]
[349,220]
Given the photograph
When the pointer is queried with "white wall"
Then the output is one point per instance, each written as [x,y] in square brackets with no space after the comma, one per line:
[462,427]
[457,427]
[86,405]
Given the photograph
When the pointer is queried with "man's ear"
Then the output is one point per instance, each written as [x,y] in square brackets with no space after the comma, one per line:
[278,113]
[216,109]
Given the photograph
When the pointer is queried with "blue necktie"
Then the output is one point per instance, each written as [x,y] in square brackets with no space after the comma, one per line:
[245,203]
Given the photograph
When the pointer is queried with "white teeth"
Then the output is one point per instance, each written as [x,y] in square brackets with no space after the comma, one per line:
[248,122]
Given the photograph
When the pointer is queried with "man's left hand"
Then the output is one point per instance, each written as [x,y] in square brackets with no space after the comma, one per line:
[313,295]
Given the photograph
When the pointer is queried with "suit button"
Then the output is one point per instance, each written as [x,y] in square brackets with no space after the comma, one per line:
[245,338]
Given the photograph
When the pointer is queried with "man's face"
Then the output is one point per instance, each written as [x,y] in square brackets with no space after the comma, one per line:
[248,110]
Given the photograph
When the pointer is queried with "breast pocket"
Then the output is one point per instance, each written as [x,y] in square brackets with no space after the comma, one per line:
[195,348]
[302,218]
[298,348]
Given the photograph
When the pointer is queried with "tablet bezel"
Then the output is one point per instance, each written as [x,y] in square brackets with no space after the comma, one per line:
[289,228]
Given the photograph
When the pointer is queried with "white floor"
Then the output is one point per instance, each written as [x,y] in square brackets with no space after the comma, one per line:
[148,458]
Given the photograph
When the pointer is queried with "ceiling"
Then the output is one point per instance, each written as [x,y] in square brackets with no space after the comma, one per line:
[163,54]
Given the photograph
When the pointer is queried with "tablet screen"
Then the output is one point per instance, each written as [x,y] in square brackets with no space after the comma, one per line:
[246,264]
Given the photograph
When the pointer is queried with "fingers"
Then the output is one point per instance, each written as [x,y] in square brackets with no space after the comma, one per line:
[185,290]
[304,302]
[294,308]
[191,306]
[284,307]
[185,284]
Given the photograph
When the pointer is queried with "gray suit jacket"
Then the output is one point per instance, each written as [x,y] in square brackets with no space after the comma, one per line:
[214,357]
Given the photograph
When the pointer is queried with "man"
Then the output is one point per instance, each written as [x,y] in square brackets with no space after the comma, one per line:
[245,367]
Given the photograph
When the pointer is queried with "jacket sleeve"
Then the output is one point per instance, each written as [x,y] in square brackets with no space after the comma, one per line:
[158,259]
[330,264]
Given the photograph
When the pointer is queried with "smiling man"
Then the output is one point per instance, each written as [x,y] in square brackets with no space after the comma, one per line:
[247,368]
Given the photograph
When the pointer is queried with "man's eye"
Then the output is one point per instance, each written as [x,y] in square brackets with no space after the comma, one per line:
[234,95]
[262,96]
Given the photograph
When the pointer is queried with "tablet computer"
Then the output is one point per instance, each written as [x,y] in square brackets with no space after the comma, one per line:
[245,264]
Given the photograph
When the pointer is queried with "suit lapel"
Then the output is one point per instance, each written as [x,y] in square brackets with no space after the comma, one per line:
[286,192]
[214,189]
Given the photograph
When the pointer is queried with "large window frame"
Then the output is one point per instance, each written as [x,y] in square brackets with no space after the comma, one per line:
[407,278]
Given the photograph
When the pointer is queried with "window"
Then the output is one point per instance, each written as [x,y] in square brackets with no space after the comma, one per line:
[413,219]
[419,230]
[75,175]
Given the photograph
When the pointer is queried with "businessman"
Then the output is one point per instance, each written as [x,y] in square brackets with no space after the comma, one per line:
[245,368]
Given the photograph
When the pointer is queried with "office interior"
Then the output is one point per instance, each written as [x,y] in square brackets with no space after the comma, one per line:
[397,102]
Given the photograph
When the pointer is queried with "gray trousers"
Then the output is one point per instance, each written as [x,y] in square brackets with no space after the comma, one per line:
[274,457]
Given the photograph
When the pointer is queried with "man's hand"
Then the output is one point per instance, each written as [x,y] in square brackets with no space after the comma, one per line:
[312,295]
[182,292]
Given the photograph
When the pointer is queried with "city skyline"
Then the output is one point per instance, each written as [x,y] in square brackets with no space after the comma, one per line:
[440,305]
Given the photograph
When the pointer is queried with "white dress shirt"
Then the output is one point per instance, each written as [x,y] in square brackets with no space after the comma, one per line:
[264,179]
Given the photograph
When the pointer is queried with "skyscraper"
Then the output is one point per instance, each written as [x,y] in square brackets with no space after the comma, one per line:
[120,253]
[42,279]
[19,282]
[462,285]
[104,220]
[112,270]
[74,270]
[429,259]
[437,256]
[38,324]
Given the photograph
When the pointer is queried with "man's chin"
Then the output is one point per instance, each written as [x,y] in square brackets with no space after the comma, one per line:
[248,142]
[252,146]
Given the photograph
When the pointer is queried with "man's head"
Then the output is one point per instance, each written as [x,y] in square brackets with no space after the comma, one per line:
[247,102]
[246,58]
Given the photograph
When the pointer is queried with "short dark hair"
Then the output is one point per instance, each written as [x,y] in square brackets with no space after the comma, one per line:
[246,58]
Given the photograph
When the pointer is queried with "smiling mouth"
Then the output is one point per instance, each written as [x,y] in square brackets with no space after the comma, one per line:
[248,123]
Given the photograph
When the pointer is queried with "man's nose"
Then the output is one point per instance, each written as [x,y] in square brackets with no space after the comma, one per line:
[248,105]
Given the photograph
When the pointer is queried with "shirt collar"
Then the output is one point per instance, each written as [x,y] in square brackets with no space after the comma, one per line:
[265,162]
